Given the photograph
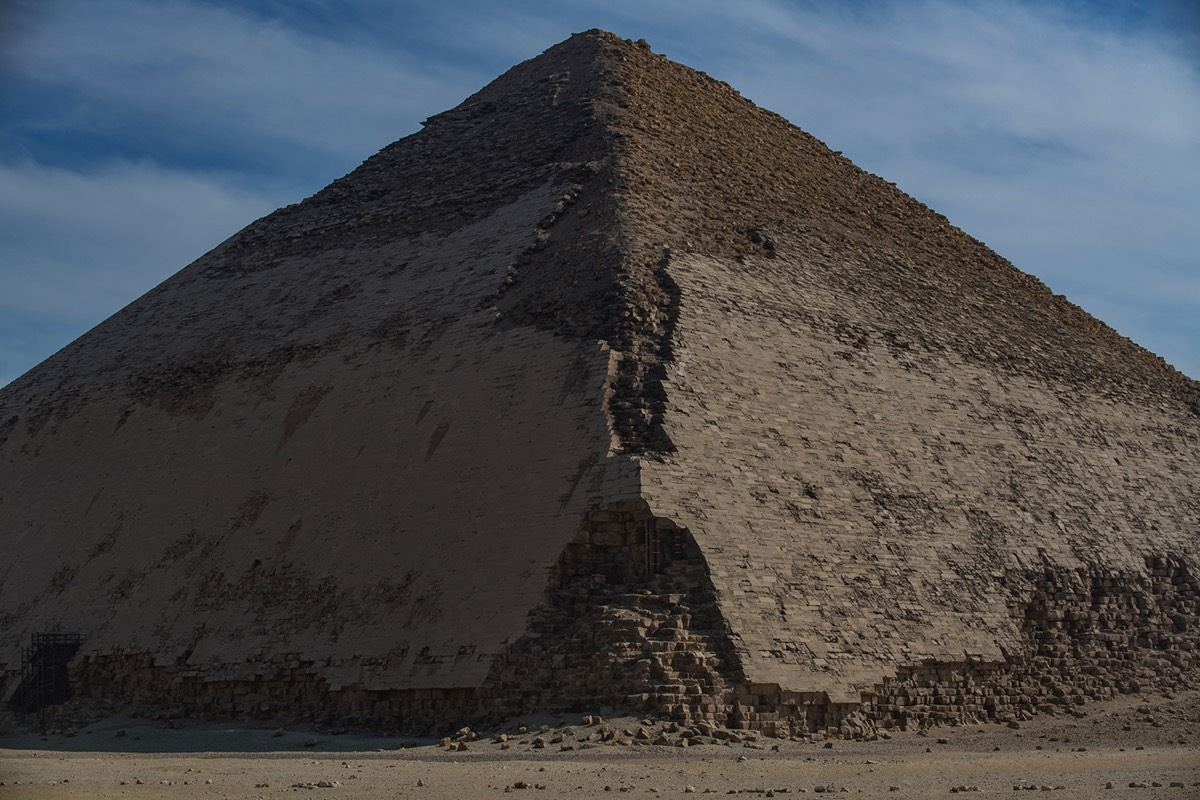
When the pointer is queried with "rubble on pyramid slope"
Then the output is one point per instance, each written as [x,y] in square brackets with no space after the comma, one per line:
[782,447]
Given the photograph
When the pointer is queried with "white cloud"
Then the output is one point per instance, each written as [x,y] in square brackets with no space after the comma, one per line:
[194,71]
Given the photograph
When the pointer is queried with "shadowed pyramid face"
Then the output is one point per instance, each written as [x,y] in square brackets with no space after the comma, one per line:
[608,388]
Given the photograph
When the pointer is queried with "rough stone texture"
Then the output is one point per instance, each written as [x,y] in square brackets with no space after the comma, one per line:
[863,500]
[607,389]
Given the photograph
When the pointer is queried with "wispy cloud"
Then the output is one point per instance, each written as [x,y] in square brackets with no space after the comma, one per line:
[208,84]
[139,134]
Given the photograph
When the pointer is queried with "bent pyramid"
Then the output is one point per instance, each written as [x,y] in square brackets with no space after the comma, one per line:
[606,389]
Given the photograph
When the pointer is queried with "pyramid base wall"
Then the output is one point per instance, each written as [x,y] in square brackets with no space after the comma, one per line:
[609,638]
[1088,635]
[291,693]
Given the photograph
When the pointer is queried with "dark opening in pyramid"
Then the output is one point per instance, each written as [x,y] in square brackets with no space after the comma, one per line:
[606,390]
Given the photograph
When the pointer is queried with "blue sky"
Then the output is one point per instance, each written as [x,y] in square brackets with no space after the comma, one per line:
[135,135]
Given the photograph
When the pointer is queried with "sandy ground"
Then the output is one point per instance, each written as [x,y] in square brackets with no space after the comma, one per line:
[1153,742]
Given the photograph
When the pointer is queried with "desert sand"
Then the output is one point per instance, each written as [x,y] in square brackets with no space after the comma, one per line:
[1137,746]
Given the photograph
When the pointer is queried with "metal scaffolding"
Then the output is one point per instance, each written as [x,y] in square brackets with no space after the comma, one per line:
[44,678]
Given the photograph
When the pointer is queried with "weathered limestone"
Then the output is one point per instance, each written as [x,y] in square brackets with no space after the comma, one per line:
[608,390]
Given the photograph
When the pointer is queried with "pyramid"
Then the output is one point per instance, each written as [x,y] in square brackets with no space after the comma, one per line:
[607,390]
